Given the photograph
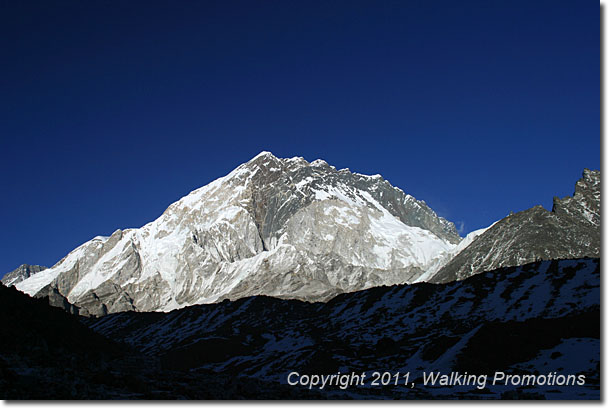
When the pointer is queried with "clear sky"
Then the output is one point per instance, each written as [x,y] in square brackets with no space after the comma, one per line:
[112,110]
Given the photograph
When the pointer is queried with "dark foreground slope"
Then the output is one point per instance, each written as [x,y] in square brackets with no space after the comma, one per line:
[47,353]
[540,318]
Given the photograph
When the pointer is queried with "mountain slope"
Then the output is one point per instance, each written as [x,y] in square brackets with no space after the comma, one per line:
[45,353]
[48,354]
[538,318]
[571,230]
[278,227]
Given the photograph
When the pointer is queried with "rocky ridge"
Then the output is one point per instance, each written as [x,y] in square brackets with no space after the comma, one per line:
[570,230]
[21,273]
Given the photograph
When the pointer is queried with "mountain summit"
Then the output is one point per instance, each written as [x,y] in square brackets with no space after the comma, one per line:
[281,227]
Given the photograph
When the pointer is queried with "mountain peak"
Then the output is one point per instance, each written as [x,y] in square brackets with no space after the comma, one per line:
[273,226]
[267,161]
[263,154]
[584,205]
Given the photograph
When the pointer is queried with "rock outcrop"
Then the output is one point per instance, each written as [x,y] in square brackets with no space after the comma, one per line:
[21,273]
[571,230]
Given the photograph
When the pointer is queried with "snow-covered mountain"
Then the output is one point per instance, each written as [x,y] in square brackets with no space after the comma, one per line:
[279,227]
[293,229]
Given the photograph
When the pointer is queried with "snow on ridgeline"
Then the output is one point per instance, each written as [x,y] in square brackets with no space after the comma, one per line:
[280,227]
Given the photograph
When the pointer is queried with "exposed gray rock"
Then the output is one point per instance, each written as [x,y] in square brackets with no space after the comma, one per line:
[56,299]
[21,273]
[570,230]
[108,297]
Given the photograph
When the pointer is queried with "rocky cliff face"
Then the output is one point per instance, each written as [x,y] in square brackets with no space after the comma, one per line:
[571,230]
[277,227]
[21,273]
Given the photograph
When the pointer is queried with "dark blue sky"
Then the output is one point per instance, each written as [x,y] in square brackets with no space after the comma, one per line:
[111,110]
